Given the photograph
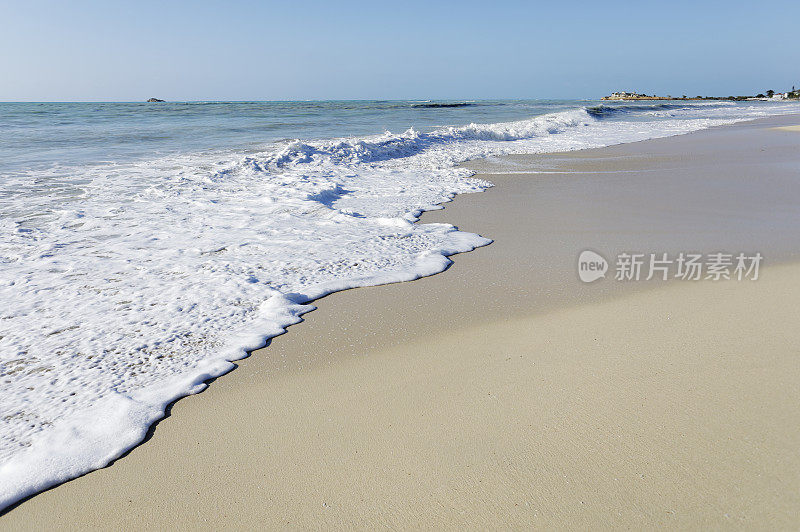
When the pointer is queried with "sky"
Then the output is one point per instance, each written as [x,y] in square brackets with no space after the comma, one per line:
[297,50]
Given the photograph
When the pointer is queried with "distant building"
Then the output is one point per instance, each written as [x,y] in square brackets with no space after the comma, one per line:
[623,95]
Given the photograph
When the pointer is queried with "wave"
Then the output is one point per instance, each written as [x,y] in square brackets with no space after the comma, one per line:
[434,105]
[411,142]
[604,110]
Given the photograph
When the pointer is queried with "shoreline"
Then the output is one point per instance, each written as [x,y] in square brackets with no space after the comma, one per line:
[546,290]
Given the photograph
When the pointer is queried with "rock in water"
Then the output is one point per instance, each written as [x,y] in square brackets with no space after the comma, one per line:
[154,100]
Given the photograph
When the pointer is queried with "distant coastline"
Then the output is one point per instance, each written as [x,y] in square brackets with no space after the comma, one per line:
[769,96]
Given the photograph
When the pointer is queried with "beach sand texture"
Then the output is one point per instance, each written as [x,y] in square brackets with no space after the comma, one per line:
[504,392]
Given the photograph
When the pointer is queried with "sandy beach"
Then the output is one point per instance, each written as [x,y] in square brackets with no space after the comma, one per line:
[504,392]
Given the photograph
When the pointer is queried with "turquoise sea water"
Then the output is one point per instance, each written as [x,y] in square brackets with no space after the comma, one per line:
[35,135]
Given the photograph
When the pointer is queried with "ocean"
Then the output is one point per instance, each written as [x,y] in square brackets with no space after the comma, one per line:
[146,246]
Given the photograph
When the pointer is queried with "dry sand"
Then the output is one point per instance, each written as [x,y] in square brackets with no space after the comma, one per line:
[504,392]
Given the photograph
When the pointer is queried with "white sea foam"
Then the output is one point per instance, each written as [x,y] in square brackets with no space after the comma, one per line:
[126,286]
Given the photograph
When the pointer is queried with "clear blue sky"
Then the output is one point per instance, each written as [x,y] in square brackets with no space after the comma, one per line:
[237,50]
